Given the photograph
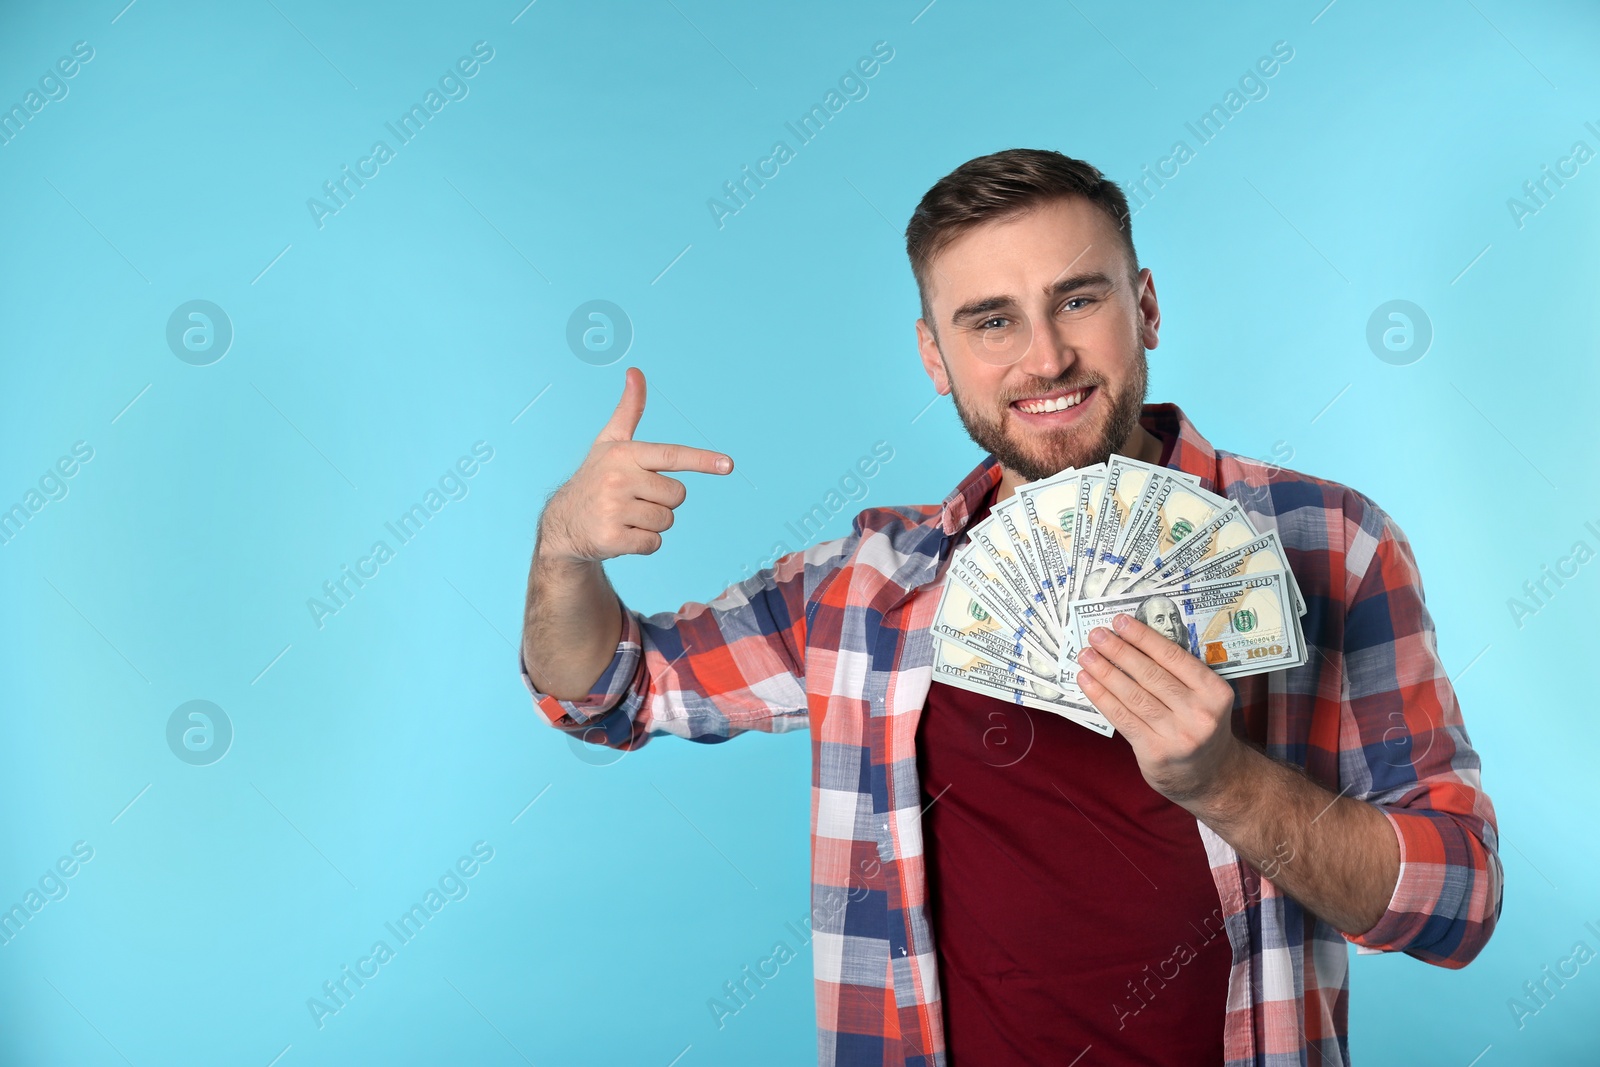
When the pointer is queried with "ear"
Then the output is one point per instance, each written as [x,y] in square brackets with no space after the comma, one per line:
[932,362]
[1149,310]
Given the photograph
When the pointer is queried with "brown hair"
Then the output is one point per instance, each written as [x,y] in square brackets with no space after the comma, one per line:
[1001,186]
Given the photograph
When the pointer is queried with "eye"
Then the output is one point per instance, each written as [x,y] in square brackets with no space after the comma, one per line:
[1067,306]
[997,318]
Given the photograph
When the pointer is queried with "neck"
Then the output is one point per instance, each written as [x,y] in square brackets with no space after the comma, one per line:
[1141,445]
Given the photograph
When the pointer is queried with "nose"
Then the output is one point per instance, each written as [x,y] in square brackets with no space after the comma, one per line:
[1050,355]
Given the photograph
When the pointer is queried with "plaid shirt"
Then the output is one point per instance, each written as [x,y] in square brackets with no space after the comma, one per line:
[838,637]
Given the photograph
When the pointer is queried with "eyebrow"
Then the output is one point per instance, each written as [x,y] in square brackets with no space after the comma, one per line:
[1071,283]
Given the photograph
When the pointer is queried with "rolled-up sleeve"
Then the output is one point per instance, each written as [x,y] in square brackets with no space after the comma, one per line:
[708,671]
[1418,763]
[605,705]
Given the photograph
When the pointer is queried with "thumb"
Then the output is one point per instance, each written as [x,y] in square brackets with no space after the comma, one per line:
[625,419]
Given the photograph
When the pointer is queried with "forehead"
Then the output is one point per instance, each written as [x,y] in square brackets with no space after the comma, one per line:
[1021,256]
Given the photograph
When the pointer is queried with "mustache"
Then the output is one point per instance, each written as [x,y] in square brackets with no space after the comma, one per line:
[1047,385]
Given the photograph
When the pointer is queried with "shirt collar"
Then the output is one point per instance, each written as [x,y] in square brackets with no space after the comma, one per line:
[1191,454]
[967,497]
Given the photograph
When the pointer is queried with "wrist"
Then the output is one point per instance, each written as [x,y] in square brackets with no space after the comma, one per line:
[554,561]
[1230,793]
[553,553]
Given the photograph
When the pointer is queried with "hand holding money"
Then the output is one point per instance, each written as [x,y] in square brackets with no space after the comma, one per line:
[1120,544]
[1174,710]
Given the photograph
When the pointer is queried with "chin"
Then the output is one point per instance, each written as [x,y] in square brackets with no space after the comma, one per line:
[1057,452]
[1035,453]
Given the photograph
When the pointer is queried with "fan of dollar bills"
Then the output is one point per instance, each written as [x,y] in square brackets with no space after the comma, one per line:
[1067,553]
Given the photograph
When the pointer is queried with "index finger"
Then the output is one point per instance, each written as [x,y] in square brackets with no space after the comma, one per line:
[1178,661]
[667,457]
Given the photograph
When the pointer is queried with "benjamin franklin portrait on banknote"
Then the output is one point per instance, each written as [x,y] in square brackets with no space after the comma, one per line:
[1161,614]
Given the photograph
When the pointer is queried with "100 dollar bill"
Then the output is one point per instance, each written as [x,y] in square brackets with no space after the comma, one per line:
[1011,567]
[1050,507]
[963,620]
[1222,533]
[1236,626]
[967,670]
[1012,517]
[1128,483]
[975,571]
[1256,556]
[1085,516]
[1170,510]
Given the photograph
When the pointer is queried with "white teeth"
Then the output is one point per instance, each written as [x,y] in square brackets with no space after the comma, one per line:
[1061,403]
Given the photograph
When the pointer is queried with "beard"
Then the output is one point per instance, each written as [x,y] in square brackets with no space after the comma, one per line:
[1039,454]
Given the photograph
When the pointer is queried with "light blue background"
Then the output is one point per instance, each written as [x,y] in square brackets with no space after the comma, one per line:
[426,315]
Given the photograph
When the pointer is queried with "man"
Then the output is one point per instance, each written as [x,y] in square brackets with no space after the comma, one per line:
[1161,614]
[1180,892]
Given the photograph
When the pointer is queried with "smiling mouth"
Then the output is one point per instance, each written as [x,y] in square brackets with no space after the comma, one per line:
[1060,400]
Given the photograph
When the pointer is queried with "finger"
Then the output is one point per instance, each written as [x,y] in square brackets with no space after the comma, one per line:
[660,489]
[640,542]
[1116,712]
[646,515]
[1133,662]
[667,457]
[625,419]
[1111,681]
[1177,661]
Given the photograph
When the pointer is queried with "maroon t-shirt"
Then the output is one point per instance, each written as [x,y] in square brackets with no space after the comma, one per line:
[1073,907]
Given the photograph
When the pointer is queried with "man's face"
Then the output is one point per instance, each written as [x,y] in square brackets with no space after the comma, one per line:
[1161,615]
[1041,337]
